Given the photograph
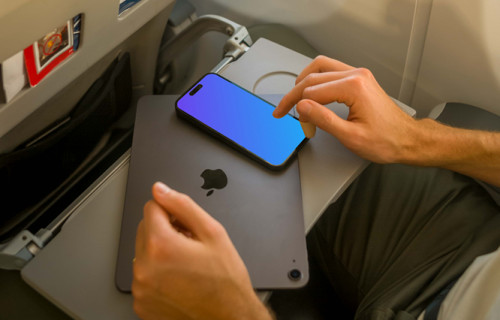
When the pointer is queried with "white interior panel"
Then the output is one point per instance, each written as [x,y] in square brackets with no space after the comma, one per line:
[373,34]
[461,58]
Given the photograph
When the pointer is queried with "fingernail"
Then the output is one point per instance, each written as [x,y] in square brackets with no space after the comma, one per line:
[304,108]
[161,188]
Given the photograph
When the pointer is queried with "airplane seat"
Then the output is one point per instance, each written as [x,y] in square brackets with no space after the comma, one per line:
[78,118]
[284,36]
[465,116]
[469,117]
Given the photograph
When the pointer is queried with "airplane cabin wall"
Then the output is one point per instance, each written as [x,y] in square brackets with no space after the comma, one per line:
[423,52]
[372,34]
[461,57]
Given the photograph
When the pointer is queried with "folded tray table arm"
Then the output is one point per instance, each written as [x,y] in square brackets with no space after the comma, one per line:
[236,45]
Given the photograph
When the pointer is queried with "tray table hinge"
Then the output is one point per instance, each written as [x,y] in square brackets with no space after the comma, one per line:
[22,248]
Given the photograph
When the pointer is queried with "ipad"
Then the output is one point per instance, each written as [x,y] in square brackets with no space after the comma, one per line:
[260,209]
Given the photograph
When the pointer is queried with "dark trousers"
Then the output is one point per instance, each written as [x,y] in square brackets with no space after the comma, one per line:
[399,235]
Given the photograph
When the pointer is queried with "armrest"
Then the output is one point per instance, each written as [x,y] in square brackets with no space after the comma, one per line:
[469,117]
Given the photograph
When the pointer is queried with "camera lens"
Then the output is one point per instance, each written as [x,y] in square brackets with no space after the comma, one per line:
[295,274]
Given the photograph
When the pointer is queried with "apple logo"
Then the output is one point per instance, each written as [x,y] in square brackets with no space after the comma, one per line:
[213,179]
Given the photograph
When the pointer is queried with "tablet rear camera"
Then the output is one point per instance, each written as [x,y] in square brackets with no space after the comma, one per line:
[295,275]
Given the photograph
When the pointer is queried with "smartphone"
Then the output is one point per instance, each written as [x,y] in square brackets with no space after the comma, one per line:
[242,120]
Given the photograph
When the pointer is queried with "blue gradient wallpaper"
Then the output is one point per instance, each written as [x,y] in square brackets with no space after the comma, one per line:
[243,118]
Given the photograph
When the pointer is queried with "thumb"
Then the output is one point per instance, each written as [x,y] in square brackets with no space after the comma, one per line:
[316,114]
[185,210]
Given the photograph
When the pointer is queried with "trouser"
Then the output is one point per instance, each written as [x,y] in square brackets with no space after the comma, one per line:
[399,235]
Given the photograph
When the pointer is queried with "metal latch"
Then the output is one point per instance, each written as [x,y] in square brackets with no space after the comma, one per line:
[22,248]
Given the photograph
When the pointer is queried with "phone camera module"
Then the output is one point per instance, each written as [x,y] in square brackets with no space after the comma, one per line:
[295,275]
[196,89]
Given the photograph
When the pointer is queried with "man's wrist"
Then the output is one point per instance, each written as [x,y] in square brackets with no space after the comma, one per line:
[421,144]
[470,152]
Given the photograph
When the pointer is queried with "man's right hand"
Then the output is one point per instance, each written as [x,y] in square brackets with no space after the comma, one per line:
[376,128]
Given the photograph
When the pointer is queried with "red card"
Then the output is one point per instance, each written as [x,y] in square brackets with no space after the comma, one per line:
[46,53]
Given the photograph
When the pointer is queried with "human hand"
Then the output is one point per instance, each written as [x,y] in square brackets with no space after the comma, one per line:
[376,128]
[186,267]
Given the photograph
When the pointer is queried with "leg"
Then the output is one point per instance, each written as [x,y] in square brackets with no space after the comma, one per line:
[399,234]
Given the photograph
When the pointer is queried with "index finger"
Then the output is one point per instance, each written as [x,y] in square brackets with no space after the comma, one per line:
[322,64]
[296,94]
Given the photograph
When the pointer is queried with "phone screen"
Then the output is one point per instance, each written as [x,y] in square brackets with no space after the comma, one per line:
[243,118]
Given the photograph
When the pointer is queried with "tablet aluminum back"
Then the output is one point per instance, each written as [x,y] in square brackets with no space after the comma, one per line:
[260,209]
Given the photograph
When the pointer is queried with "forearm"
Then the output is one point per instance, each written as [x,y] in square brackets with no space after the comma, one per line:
[471,152]
[378,130]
